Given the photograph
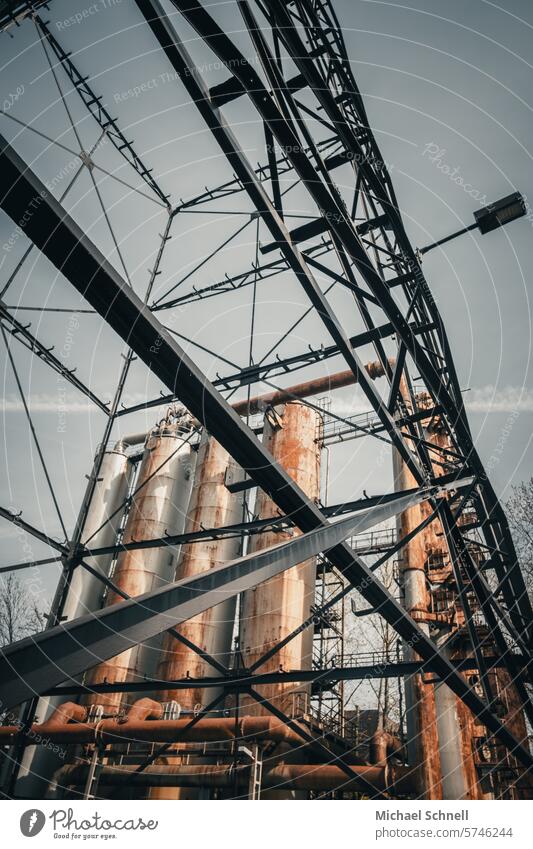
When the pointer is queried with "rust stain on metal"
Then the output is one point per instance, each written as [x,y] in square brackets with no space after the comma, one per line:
[317,386]
[274,609]
[212,505]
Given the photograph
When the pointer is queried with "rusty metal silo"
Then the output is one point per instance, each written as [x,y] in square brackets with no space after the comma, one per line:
[274,609]
[211,505]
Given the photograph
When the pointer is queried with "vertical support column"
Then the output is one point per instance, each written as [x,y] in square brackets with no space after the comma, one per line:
[440,728]
[455,722]
[455,725]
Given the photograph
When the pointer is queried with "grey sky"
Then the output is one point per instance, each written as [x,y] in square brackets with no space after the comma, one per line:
[447,92]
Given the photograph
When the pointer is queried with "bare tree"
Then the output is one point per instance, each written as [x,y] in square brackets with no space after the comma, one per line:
[373,634]
[19,615]
[520,515]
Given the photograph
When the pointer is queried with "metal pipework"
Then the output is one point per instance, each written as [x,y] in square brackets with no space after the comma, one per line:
[422,740]
[259,403]
[272,610]
[455,722]
[160,506]
[383,746]
[133,728]
[84,595]
[319,777]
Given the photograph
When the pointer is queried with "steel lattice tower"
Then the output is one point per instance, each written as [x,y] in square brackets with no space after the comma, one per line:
[300,92]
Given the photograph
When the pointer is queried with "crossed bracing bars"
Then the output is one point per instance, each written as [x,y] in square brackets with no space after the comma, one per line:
[69,249]
[346,243]
[492,519]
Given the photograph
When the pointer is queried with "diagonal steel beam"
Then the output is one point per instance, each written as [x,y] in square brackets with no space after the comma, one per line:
[30,666]
[343,229]
[380,185]
[17,520]
[95,106]
[71,251]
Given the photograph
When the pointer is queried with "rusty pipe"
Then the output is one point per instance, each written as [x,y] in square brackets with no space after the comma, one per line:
[144,709]
[64,713]
[304,390]
[318,777]
[281,396]
[383,746]
[157,731]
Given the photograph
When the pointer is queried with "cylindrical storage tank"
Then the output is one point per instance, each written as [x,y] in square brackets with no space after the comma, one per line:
[86,591]
[84,595]
[212,505]
[277,607]
[159,507]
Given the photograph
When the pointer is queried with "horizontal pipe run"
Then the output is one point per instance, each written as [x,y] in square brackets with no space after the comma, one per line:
[206,730]
[304,390]
[317,777]
[259,403]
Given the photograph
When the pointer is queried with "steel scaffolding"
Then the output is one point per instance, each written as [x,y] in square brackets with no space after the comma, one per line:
[299,90]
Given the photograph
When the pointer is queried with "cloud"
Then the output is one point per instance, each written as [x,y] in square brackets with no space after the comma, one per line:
[46,404]
[505,399]
[50,403]
[483,399]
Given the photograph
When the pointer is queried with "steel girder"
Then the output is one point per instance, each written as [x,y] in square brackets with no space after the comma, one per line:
[433,358]
[30,666]
[438,360]
[245,679]
[95,106]
[13,12]
[346,236]
[341,100]
[70,250]
[184,66]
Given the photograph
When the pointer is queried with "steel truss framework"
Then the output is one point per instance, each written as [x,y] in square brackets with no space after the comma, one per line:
[302,92]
